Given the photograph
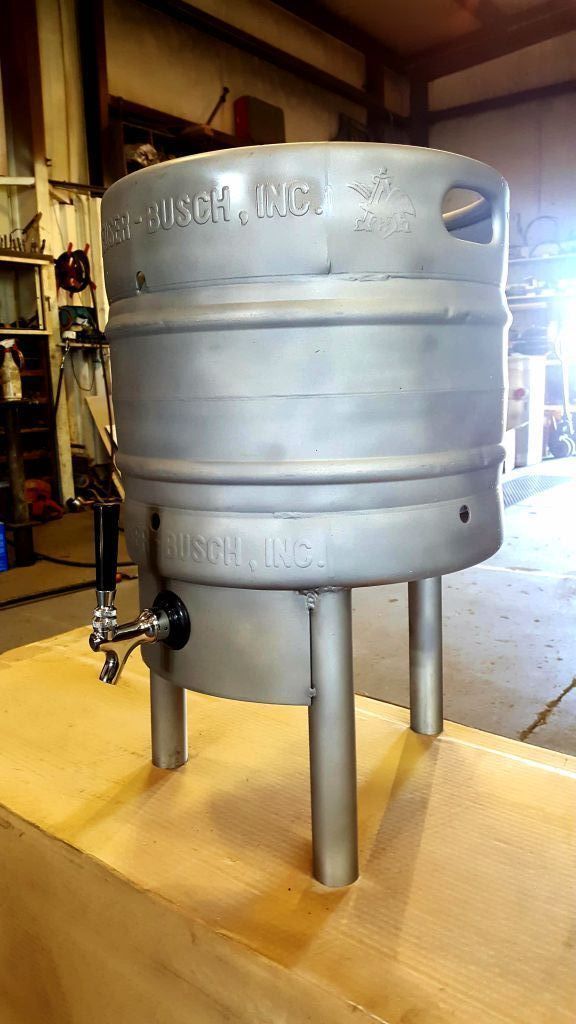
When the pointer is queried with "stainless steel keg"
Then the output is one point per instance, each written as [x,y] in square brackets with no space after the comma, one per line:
[309,387]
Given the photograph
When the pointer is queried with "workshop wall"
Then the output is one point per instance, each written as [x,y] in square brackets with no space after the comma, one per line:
[72,216]
[62,90]
[161,63]
[532,144]
[4,193]
[158,62]
[3,139]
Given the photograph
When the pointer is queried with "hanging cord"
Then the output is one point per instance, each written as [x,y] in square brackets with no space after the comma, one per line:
[61,377]
[83,387]
[78,565]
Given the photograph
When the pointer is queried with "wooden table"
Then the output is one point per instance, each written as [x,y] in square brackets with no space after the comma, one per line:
[130,895]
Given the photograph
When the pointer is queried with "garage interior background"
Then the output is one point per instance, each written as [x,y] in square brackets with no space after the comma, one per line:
[163,64]
[85,84]
[464,910]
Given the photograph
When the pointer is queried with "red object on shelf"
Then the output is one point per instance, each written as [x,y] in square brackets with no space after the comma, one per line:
[258,122]
[39,498]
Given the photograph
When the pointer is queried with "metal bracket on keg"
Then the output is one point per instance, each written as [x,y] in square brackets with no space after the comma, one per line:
[166,621]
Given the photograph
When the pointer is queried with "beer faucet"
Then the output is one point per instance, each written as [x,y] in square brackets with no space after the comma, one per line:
[166,621]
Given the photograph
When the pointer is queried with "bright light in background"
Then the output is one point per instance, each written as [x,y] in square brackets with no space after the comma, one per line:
[562,333]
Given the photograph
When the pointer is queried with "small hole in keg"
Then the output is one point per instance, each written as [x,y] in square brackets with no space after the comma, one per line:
[140,280]
[155,521]
[464,514]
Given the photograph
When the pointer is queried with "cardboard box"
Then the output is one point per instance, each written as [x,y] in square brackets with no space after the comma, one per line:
[132,895]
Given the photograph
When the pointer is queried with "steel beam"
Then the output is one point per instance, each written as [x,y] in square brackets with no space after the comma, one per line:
[512,99]
[341,28]
[515,32]
[197,18]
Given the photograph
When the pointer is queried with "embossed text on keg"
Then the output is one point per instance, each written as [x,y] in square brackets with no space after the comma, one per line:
[140,539]
[287,553]
[116,230]
[281,199]
[198,548]
[180,211]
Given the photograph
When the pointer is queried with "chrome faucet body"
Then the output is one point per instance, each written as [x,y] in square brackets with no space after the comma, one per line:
[118,640]
[167,620]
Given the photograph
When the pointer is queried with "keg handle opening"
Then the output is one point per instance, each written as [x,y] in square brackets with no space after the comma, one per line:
[475,214]
[166,621]
[482,213]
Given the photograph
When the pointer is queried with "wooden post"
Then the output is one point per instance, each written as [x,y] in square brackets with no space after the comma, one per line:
[418,110]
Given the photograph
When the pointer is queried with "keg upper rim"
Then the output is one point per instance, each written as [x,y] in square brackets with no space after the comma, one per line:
[301,208]
[228,156]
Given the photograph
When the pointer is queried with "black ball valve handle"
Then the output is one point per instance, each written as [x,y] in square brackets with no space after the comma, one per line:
[106,528]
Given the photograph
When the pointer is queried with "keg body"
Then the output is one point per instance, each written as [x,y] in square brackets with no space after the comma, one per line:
[308,369]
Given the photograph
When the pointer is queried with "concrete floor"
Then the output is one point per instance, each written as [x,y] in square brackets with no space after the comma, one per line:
[509,637]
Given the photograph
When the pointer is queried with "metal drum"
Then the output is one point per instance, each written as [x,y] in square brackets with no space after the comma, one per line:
[309,388]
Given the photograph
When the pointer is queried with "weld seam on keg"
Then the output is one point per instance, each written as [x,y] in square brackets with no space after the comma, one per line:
[338,471]
[199,320]
[358,278]
[189,397]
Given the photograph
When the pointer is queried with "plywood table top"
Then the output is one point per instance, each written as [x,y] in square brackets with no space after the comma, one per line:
[194,886]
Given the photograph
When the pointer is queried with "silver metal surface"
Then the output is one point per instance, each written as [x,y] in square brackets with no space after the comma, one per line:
[309,386]
[119,640]
[169,725]
[308,367]
[104,617]
[425,649]
[249,645]
[333,740]
[106,599]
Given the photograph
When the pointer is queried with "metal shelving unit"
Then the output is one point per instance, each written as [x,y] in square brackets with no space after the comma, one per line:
[21,274]
[21,331]
[545,302]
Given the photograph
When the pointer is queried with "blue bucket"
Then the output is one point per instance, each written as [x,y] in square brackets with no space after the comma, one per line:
[3,549]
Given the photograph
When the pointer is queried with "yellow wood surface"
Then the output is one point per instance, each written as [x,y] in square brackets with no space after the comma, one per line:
[130,895]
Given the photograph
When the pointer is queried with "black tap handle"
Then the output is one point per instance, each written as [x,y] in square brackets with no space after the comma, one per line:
[106,517]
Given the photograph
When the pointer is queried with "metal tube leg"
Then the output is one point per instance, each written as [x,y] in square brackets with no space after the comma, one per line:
[169,733]
[425,625]
[333,741]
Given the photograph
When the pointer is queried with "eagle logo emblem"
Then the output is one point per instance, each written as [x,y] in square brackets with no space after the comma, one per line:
[385,208]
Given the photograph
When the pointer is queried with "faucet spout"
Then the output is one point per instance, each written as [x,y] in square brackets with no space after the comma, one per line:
[118,640]
[109,673]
